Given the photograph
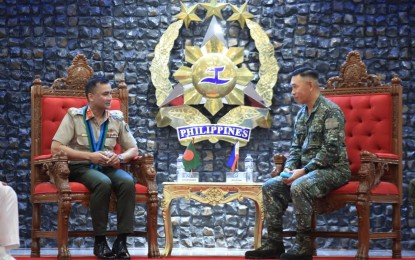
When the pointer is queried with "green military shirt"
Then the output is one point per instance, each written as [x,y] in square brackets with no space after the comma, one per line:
[72,131]
[319,138]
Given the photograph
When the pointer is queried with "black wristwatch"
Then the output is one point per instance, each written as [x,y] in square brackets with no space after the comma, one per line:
[306,170]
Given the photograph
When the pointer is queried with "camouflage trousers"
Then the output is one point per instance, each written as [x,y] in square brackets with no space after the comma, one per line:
[302,192]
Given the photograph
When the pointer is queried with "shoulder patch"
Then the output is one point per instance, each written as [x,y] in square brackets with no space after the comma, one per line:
[127,128]
[331,123]
[73,111]
[116,114]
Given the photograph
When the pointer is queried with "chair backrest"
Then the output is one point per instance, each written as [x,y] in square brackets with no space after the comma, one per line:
[50,104]
[53,110]
[373,113]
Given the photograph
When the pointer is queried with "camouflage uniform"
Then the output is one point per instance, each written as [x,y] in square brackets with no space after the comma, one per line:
[319,145]
[101,182]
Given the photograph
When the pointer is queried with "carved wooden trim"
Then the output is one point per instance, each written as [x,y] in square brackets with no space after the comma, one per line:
[143,169]
[36,127]
[329,204]
[353,73]
[279,161]
[78,74]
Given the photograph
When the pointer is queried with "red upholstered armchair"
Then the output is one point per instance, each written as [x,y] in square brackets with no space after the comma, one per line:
[373,129]
[49,174]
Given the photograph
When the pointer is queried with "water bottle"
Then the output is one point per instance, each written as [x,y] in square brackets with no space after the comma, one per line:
[180,168]
[249,168]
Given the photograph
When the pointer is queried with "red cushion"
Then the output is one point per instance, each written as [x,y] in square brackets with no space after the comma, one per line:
[382,188]
[140,189]
[388,155]
[46,187]
[53,111]
[41,157]
[368,124]
[77,187]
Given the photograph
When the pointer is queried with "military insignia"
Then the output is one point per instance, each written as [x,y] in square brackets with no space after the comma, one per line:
[73,111]
[214,77]
[127,128]
[112,134]
[116,114]
[89,113]
[331,123]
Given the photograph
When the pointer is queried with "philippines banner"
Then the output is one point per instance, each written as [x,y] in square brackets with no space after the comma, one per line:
[236,132]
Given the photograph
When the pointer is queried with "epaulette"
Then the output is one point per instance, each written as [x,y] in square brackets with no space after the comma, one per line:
[116,114]
[74,111]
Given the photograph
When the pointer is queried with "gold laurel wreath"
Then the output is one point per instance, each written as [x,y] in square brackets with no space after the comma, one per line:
[159,67]
[268,71]
[179,116]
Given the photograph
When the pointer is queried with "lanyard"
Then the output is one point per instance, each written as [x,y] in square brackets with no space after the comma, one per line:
[95,146]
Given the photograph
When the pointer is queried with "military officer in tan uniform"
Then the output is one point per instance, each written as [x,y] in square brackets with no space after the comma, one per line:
[317,163]
[88,136]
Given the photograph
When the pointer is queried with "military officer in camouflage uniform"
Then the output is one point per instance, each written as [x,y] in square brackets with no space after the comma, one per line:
[317,164]
[88,136]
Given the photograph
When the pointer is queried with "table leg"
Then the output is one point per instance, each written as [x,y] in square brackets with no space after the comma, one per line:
[165,207]
[259,218]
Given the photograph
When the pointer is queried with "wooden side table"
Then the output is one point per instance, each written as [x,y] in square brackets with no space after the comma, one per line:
[212,193]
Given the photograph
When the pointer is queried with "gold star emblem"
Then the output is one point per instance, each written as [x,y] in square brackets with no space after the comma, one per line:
[240,14]
[213,8]
[188,15]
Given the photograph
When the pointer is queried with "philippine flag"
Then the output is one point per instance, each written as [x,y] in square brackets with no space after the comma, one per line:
[233,159]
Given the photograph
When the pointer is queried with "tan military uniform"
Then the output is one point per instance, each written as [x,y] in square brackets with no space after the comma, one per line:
[73,133]
[101,181]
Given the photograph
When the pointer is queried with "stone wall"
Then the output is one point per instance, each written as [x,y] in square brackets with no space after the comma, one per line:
[42,37]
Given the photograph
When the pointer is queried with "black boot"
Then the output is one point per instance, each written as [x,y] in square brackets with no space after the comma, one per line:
[101,248]
[301,250]
[119,248]
[273,247]
[269,250]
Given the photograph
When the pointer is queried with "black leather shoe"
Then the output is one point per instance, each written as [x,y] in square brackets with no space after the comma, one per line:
[119,249]
[103,251]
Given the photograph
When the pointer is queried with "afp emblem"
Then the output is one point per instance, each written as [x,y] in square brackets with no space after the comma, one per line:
[215,76]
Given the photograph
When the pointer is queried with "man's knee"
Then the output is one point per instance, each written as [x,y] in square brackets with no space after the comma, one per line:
[104,185]
[125,182]
[273,185]
[297,189]
[128,185]
[266,187]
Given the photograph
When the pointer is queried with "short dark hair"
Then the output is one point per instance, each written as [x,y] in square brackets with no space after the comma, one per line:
[92,83]
[305,71]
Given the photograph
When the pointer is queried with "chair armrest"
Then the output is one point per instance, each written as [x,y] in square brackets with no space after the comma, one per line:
[279,161]
[143,169]
[373,167]
[56,167]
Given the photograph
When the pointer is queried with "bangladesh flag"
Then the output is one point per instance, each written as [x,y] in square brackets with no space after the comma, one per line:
[190,158]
